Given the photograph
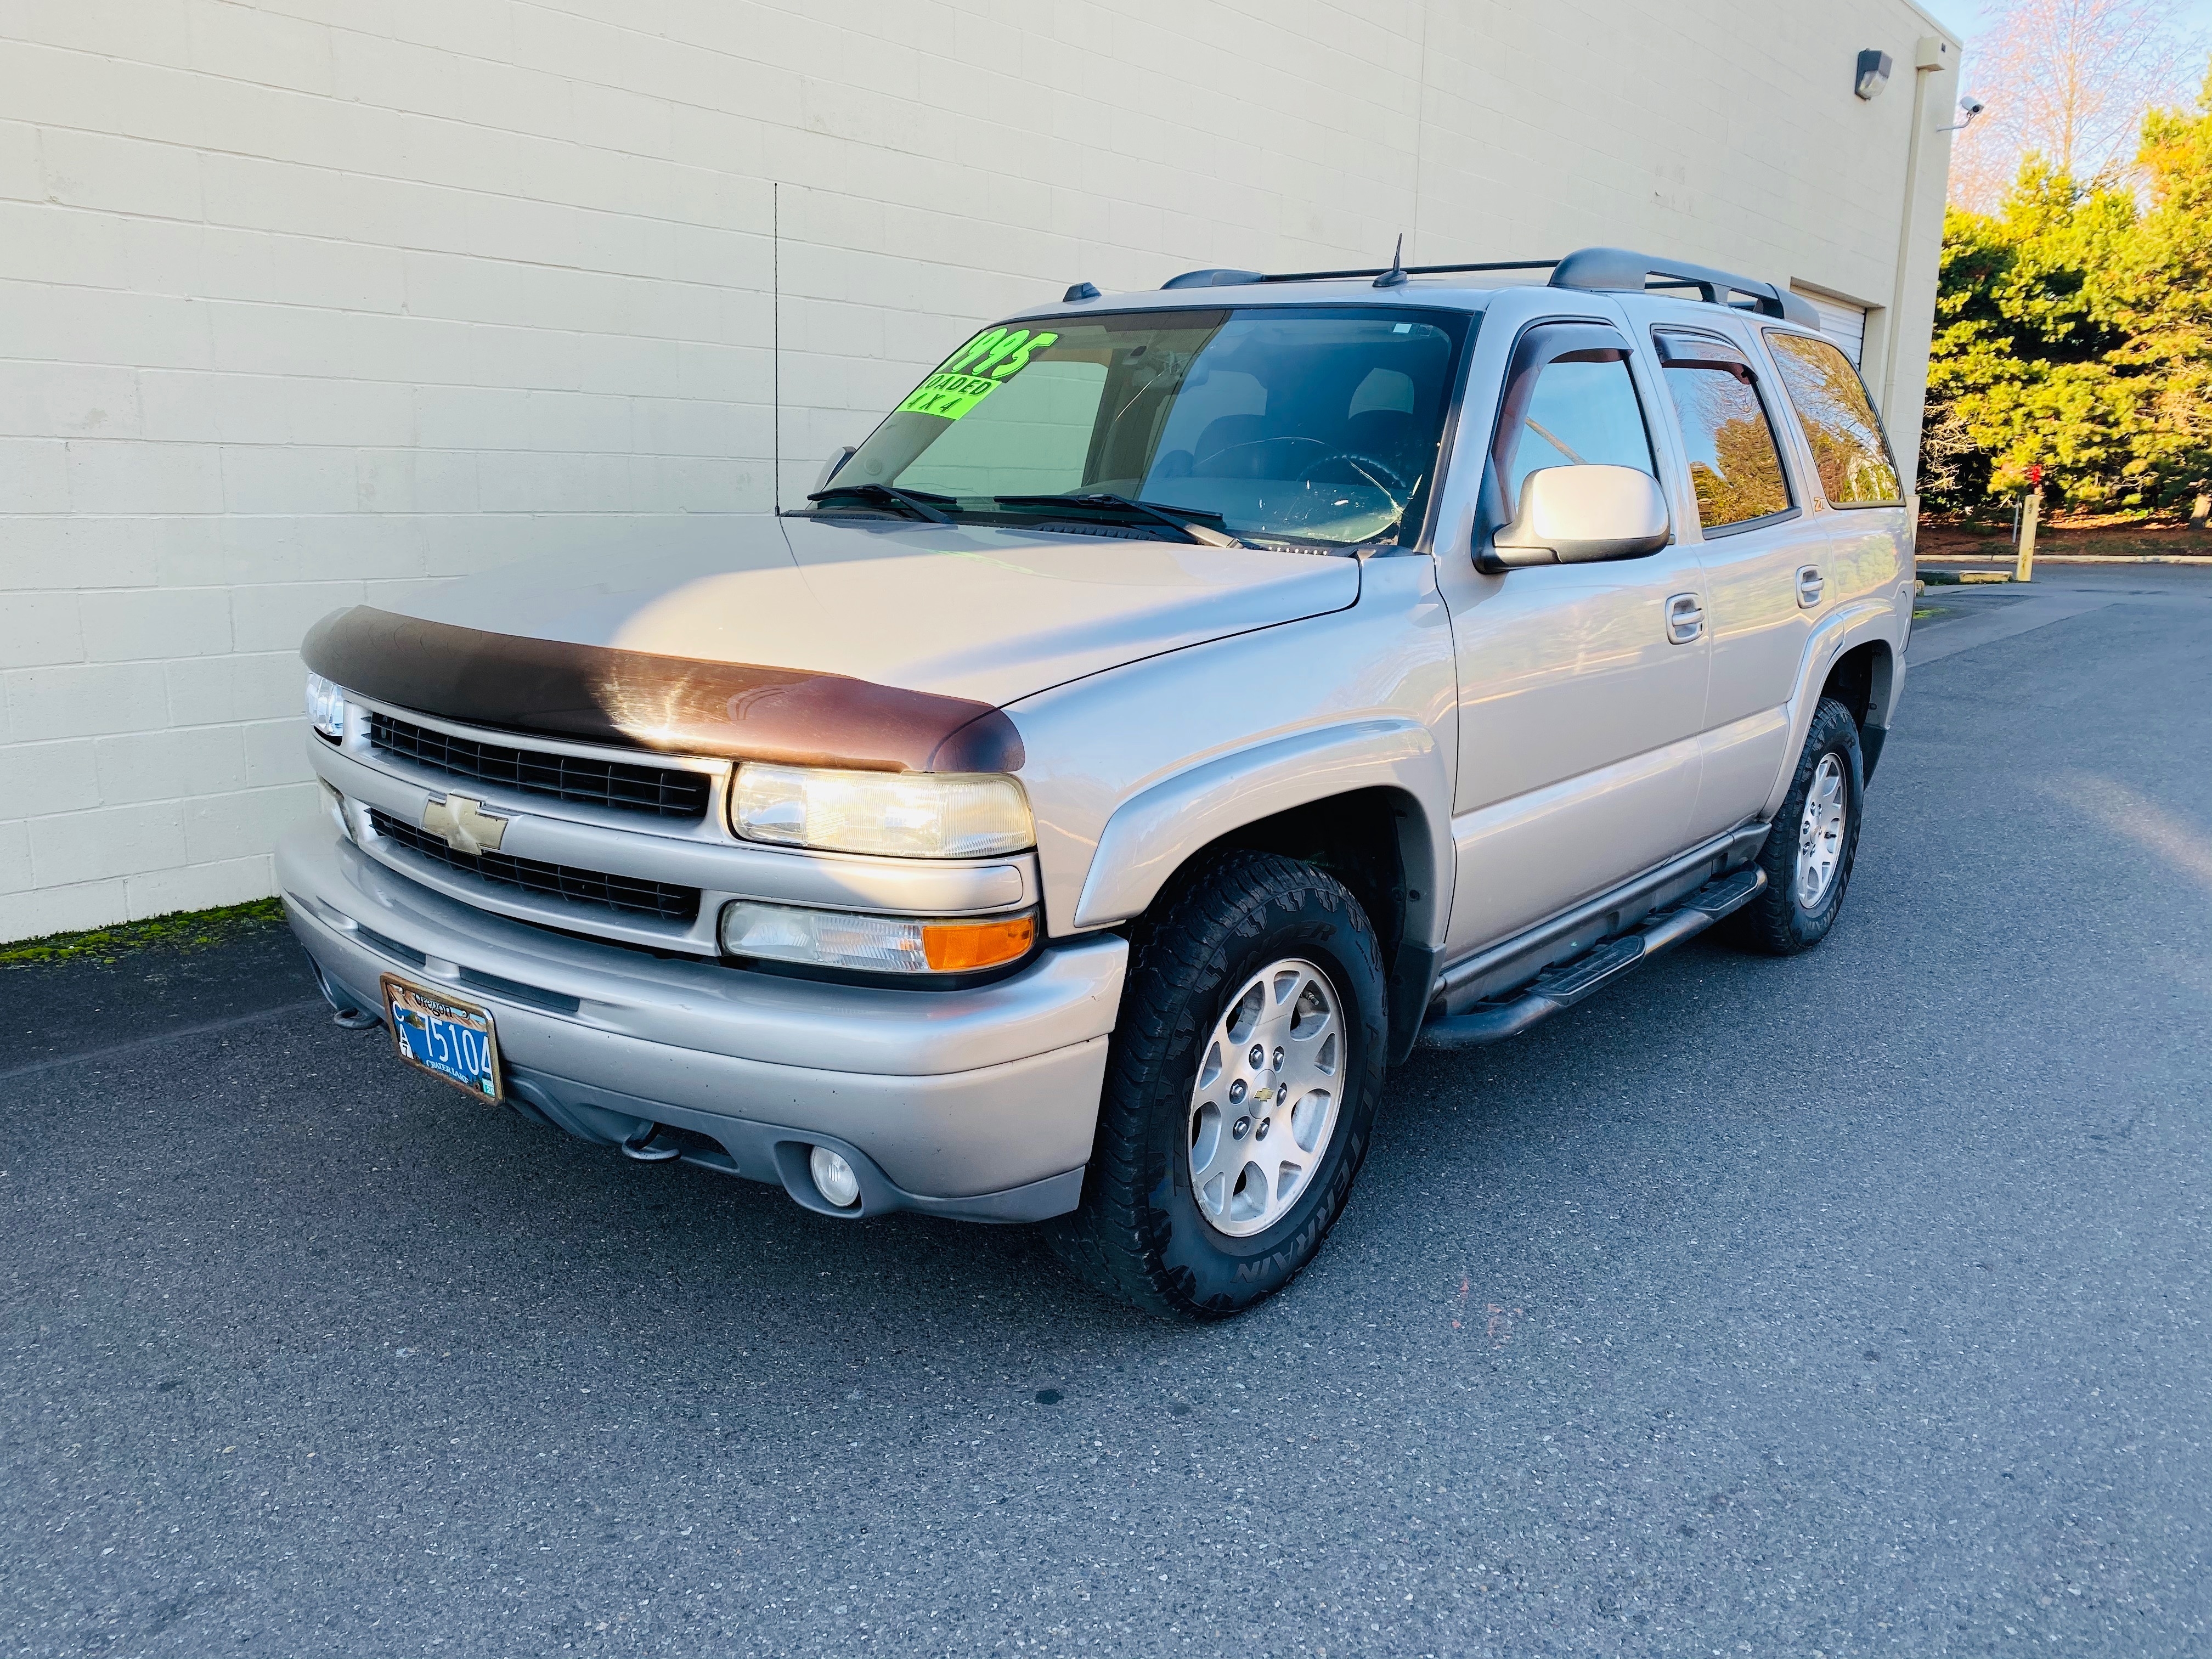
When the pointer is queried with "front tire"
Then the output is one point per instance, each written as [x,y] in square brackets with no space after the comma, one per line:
[1809,851]
[1247,1064]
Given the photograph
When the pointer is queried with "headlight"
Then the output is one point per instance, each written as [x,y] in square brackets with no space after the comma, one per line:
[326,707]
[878,944]
[911,815]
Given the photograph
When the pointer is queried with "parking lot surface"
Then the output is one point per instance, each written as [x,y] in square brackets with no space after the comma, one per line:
[1849,1305]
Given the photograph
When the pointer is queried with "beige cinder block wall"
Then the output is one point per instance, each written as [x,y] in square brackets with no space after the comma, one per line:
[310,301]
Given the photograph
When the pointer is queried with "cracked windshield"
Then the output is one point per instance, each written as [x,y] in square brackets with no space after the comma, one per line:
[1305,429]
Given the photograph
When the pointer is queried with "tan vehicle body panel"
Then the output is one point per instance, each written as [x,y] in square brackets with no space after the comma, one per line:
[962,610]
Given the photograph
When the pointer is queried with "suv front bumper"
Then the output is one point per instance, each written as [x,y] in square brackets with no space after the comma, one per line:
[980,1103]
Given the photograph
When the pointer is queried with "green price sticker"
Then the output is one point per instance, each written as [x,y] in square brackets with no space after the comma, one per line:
[973,373]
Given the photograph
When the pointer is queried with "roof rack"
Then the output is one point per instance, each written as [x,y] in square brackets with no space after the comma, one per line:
[1591,269]
[1612,269]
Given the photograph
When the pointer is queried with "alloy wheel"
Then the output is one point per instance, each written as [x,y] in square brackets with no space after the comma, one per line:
[1821,832]
[1267,1098]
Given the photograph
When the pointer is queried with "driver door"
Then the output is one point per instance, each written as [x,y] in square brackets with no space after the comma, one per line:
[1581,688]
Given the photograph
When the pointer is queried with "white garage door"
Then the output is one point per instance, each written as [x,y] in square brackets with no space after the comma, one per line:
[1841,321]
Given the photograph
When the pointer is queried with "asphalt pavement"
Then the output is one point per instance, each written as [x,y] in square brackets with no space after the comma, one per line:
[1849,1305]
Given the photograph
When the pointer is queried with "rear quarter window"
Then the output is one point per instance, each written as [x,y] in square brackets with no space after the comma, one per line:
[1849,450]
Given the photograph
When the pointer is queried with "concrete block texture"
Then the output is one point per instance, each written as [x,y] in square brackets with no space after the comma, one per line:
[308,301]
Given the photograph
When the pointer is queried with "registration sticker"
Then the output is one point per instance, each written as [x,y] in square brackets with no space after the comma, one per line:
[450,1040]
[973,373]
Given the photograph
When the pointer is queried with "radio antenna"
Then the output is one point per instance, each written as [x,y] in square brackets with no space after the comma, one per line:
[1395,276]
[775,344]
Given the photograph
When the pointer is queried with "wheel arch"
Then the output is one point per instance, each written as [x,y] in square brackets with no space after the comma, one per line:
[1861,679]
[1367,802]
[1856,643]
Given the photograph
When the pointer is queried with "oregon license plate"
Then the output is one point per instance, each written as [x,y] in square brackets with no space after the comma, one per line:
[448,1039]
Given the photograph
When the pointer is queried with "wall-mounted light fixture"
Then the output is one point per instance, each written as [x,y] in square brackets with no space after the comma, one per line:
[1872,73]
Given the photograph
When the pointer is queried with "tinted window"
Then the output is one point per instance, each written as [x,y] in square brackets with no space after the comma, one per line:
[1847,448]
[1734,461]
[1582,414]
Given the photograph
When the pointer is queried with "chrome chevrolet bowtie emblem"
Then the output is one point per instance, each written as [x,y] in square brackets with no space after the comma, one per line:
[466,827]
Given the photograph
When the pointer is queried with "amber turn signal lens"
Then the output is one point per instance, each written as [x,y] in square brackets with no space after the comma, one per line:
[959,947]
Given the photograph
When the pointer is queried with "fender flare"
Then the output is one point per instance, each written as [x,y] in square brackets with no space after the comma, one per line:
[1867,622]
[1149,836]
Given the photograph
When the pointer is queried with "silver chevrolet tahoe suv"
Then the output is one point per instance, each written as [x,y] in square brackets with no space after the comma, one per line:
[1182,705]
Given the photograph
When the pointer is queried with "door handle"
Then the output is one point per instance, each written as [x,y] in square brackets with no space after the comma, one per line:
[1685,618]
[1808,586]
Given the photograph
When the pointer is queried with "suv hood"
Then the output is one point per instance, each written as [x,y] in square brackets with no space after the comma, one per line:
[961,611]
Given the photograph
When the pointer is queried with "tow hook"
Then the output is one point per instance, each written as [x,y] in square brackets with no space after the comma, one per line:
[344,1014]
[639,1146]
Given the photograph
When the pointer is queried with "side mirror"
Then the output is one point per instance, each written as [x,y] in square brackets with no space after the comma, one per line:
[829,468]
[1580,515]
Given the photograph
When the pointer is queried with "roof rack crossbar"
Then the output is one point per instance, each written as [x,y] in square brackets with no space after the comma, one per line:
[1615,270]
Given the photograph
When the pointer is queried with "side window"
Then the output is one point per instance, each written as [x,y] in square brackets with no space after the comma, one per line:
[1849,450]
[1582,413]
[1734,462]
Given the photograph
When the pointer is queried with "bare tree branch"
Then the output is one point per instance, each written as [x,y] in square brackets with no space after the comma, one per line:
[2070,79]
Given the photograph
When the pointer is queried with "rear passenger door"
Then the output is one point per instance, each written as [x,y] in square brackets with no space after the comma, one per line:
[1764,557]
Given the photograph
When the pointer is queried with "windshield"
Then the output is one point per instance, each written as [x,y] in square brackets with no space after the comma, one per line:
[1299,426]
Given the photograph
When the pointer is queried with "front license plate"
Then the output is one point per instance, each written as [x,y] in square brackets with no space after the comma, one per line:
[448,1039]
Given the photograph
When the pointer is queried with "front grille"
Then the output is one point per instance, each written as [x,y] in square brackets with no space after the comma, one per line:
[662,900]
[664,791]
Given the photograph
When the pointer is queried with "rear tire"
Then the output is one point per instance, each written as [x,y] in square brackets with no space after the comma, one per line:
[1279,957]
[1809,851]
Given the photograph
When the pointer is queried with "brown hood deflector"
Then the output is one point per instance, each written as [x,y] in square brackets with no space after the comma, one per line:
[670,705]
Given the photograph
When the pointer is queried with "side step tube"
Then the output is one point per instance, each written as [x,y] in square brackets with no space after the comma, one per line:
[1566,985]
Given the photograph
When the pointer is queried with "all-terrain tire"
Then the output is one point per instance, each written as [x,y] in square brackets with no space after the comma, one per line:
[1785,917]
[1140,1233]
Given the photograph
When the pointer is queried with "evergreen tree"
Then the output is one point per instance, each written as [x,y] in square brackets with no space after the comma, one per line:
[2075,332]
[2163,305]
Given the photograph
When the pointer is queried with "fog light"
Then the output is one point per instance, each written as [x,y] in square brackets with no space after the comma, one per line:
[834,1178]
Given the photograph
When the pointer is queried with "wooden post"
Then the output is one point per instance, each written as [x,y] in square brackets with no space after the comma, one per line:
[2025,570]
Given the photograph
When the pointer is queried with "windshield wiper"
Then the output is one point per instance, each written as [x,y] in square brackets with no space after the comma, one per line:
[920,503]
[1188,520]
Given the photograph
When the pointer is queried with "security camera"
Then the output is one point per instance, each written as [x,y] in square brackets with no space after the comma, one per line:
[1969,107]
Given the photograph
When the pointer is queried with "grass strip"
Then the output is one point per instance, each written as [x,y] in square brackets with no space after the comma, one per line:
[180,930]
